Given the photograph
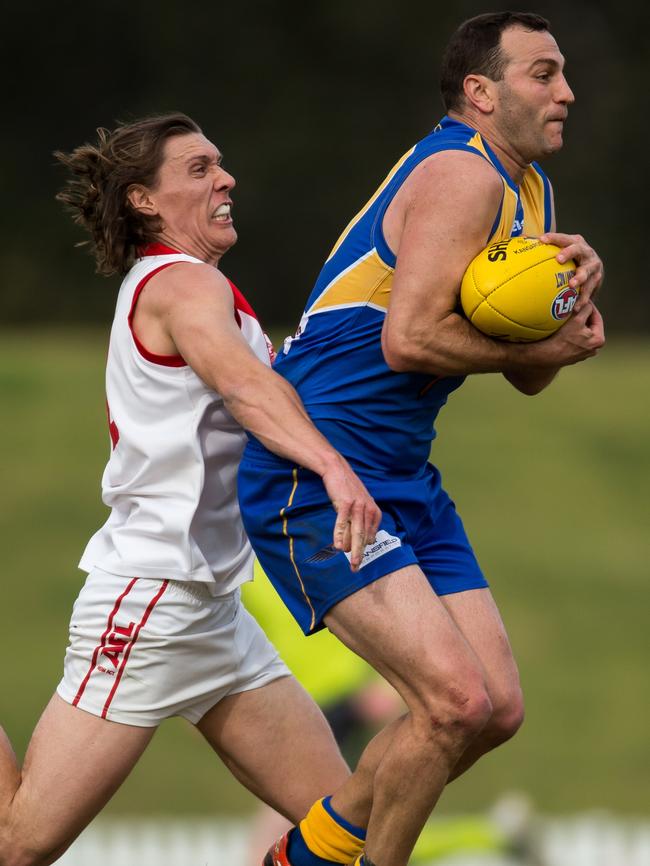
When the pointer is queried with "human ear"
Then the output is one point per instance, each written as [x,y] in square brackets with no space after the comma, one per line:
[478,92]
[140,199]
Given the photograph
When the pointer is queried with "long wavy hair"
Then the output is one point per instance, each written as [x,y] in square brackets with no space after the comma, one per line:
[100,176]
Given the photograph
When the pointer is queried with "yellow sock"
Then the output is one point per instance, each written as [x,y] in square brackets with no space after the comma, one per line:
[329,836]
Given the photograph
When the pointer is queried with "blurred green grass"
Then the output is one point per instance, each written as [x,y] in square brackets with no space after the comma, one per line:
[553,492]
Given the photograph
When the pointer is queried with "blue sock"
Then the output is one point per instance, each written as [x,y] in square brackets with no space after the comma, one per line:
[324,838]
[299,854]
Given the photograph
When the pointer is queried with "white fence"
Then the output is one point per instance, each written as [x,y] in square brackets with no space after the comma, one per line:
[595,841]
[582,841]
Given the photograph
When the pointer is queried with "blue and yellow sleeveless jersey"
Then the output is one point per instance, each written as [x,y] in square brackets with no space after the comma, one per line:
[379,419]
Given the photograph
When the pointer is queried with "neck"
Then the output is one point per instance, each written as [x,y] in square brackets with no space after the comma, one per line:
[513,162]
[189,247]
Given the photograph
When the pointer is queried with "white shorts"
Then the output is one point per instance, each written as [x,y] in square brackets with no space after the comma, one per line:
[142,650]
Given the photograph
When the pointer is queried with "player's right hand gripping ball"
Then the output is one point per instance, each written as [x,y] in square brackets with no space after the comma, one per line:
[517,290]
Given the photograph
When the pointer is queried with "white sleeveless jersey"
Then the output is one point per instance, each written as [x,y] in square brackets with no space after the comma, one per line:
[171,480]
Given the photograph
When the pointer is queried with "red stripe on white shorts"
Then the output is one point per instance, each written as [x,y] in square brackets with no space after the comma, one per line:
[102,642]
[147,613]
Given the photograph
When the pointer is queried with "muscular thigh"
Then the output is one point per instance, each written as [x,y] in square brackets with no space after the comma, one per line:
[401,627]
[477,617]
[74,764]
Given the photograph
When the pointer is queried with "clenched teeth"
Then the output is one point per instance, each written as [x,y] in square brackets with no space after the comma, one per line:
[222,212]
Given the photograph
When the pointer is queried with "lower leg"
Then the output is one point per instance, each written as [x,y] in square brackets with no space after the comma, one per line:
[498,731]
[405,768]
[411,776]
[277,743]
[400,627]
[354,800]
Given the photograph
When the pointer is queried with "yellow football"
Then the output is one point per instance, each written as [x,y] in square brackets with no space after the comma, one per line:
[517,290]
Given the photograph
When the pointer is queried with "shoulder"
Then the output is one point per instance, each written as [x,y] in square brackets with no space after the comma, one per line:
[466,173]
[183,276]
[186,282]
[453,192]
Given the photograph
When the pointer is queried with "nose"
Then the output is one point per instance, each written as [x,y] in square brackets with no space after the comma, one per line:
[223,180]
[564,94]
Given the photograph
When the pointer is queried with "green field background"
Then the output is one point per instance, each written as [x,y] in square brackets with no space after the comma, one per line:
[554,494]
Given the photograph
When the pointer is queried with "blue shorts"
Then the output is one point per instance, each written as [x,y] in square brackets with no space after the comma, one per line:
[290,521]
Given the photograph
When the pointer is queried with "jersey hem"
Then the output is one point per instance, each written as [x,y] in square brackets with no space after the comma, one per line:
[128,572]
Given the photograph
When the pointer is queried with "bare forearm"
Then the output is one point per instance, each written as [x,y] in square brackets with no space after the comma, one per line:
[269,408]
[453,347]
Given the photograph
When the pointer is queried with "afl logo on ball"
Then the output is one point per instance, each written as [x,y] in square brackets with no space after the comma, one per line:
[563,304]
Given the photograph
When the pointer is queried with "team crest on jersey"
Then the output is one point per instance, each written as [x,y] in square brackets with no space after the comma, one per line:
[563,303]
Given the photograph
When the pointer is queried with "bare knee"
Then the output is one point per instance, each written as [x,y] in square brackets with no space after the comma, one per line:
[456,716]
[507,717]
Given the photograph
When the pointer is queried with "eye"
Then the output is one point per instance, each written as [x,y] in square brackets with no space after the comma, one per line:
[543,76]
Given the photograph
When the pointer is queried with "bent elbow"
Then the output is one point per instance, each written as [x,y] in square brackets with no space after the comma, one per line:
[397,356]
[398,351]
[398,362]
[530,391]
[530,385]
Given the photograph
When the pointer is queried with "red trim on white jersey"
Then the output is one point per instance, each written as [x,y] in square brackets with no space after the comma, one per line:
[241,304]
[154,601]
[112,427]
[102,642]
[157,249]
[163,360]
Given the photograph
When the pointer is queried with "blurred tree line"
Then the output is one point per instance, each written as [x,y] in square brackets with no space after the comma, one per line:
[311,103]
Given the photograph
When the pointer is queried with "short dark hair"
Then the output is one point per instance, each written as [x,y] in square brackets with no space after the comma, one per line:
[476,48]
[100,176]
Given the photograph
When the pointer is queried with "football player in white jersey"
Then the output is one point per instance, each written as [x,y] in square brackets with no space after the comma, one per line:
[158,629]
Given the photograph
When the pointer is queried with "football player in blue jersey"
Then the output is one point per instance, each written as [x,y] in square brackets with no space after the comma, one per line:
[379,349]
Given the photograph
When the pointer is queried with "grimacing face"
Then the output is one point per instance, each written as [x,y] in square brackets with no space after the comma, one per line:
[192,197]
[533,97]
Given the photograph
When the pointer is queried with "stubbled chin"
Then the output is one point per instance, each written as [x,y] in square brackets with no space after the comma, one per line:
[554,144]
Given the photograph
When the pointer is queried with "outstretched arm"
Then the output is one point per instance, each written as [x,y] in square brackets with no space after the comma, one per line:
[189,308]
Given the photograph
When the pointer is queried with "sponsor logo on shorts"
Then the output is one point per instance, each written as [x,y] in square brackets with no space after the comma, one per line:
[383,544]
